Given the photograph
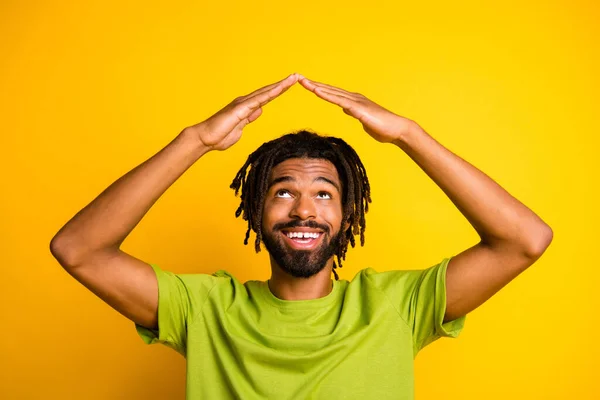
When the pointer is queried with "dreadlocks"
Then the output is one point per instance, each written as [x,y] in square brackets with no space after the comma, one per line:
[303,144]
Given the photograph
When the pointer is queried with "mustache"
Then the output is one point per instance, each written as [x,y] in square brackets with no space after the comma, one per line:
[298,224]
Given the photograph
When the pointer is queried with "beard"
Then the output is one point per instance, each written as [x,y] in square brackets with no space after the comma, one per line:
[301,263]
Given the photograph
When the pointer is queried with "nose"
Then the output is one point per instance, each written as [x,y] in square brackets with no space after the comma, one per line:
[303,208]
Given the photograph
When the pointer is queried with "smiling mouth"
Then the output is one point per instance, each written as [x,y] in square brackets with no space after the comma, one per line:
[302,235]
[302,240]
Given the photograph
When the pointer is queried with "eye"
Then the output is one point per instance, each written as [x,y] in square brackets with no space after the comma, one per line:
[323,195]
[282,193]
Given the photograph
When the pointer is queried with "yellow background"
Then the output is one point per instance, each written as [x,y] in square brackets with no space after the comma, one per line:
[89,90]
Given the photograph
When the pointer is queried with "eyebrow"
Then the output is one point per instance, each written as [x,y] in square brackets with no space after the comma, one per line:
[288,178]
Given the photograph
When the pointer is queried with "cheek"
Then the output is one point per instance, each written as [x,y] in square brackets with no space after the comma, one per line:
[266,221]
[272,213]
[333,216]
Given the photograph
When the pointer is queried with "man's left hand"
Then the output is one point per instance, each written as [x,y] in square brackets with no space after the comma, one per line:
[383,125]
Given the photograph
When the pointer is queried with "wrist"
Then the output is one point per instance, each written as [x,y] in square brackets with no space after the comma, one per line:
[190,137]
[410,131]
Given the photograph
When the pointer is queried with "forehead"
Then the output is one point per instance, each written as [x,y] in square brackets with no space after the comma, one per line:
[305,168]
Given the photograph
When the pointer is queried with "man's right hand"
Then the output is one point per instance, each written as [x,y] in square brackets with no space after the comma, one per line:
[224,129]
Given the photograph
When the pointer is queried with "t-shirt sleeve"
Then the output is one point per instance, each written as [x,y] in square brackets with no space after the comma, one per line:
[180,298]
[420,297]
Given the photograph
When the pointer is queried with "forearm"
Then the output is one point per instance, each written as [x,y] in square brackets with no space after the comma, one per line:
[109,218]
[498,217]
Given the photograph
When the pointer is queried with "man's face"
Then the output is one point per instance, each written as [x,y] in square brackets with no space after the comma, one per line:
[302,215]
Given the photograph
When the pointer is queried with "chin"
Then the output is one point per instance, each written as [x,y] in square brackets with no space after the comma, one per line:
[302,270]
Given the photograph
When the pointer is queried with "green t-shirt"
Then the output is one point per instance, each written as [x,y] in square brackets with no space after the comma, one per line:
[358,342]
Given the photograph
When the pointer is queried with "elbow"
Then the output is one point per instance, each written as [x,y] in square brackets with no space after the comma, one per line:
[58,249]
[70,252]
[65,251]
[539,243]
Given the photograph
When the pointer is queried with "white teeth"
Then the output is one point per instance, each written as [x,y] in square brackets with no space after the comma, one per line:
[306,235]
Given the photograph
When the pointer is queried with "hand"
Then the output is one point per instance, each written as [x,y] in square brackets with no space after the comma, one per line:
[383,125]
[224,129]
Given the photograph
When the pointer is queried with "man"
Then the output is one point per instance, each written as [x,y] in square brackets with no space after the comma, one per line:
[301,335]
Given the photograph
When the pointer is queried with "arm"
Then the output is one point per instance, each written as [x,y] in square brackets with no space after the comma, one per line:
[88,246]
[512,236]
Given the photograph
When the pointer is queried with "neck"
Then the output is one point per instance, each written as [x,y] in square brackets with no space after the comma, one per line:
[287,287]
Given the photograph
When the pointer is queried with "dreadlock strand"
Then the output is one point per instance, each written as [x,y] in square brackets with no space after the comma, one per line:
[264,172]
[247,236]
[337,277]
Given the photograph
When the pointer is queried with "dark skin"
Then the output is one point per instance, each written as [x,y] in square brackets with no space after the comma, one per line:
[512,236]
[306,194]
[89,246]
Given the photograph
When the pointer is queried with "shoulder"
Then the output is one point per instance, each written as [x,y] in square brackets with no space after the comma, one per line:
[385,279]
[403,282]
[192,284]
